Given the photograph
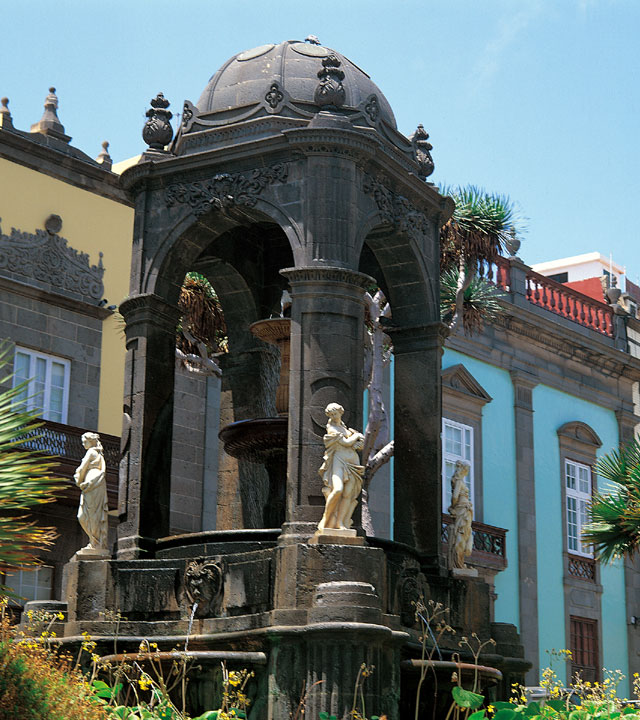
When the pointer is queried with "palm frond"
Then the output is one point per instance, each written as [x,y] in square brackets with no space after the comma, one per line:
[25,481]
[202,315]
[481,226]
[480,303]
[614,528]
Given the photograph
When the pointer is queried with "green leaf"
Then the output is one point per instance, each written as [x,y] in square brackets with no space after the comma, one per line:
[209,715]
[533,708]
[475,716]
[559,705]
[578,715]
[505,714]
[466,698]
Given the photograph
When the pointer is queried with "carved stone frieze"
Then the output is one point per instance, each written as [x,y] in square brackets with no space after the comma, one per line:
[203,584]
[397,210]
[47,259]
[225,189]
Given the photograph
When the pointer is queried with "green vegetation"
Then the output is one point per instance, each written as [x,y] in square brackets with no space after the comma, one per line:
[614,529]
[482,226]
[25,483]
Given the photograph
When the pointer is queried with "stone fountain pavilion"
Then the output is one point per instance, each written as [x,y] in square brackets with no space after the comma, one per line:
[288,174]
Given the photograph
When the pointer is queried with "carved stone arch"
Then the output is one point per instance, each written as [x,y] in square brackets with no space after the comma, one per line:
[411,290]
[580,432]
[180,247]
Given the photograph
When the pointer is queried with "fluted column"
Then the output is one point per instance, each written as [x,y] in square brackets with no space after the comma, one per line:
[145,469]
[327,326]
[417,494]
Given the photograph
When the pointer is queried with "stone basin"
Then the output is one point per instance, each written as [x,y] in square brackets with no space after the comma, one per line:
[435,695]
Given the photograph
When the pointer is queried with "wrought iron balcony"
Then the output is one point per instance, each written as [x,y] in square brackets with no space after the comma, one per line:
[489,544]
[64,443]
[582,567]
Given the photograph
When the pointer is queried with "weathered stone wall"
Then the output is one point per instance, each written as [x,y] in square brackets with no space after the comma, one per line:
[36,323]
[189,457]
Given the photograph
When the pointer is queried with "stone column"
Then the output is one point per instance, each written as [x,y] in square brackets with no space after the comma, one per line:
[145,481]
[417,492]
[523,384]
[327,326]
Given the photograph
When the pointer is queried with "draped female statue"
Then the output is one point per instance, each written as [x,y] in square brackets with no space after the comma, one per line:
[90,477]
[341,471]
[461,511]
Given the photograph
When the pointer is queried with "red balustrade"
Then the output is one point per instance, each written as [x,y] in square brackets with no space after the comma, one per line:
[497,272]
[569,303]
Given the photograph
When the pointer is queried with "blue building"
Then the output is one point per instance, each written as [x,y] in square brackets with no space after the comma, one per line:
[530,404]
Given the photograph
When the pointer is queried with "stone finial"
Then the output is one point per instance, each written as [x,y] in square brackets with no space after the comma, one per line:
[312,40]
[422,151]
[330,91]
[104,158]
[6,121]
[157,131]
[49,123]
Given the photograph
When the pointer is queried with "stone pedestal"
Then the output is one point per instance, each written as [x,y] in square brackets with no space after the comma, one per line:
[464,572]
[335,536]
[85,586]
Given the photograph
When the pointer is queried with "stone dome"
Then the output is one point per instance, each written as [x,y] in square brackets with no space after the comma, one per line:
[274,76]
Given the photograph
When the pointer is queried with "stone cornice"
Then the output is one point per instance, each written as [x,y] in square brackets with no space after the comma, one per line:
[509,340]
[290,146]
[20,149]
[53,298]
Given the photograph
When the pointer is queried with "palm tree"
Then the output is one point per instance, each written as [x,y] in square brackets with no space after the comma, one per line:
[614,530]
[25,483]
[481,227]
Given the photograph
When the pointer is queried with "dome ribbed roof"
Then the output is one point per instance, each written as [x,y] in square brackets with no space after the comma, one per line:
[246,80]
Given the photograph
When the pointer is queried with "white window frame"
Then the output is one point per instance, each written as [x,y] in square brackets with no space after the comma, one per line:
[452,457]
[14,580]
[32,402]
[577,503]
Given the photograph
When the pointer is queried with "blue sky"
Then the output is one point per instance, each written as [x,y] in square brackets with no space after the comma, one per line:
[537,99]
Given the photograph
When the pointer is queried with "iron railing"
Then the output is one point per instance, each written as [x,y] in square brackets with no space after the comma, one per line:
[489,543]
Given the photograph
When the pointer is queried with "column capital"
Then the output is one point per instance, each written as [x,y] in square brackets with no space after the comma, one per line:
[327,273]
[415,338]
[148,308]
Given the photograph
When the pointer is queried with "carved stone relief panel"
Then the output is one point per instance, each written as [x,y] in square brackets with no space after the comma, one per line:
[45,260]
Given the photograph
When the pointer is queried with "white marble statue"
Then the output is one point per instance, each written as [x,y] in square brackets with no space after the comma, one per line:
[90,477]
[461,511]
[341,471]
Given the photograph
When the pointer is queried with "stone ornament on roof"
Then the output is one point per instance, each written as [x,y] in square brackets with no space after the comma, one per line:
[49,123]
[330,91]
[6,121]
[44,259]
[157,131]
[422,151]
[104,158]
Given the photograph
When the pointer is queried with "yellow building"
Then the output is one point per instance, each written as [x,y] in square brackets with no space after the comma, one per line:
[65,253]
